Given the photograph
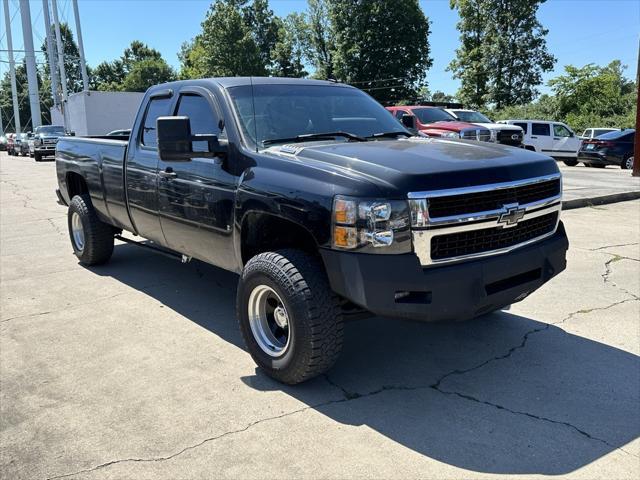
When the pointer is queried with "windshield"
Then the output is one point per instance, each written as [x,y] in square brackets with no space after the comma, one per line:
[50,130]
[287,111]
[471,117]
[430,115]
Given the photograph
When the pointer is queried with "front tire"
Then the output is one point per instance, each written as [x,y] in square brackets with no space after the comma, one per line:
[627,163]
[290,319]
[570,163]
[38,157]
[91,239]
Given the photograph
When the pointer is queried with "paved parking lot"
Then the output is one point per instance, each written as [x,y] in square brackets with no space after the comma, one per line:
[581,182]
[136,369]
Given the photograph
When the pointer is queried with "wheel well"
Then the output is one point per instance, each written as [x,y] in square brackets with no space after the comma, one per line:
[76,185]
[530,147]
[263,232]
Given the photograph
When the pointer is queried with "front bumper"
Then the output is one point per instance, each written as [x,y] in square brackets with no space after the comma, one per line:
[453,292]
[45,149]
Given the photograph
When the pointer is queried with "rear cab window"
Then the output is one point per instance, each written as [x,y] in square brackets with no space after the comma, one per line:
[158,107]
[540,129]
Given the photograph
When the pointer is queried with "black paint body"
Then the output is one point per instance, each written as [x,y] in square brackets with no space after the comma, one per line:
[201,211]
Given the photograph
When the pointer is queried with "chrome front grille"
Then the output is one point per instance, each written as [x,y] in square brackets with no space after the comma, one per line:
[461,224]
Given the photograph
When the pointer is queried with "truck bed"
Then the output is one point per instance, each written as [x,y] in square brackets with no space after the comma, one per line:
[100,162]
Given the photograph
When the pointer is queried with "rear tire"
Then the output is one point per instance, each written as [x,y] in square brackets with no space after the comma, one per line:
[91,239]
[290,319]
[627,163]
[570,163]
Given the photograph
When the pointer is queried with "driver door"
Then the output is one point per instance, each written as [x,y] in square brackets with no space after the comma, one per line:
[196,197]
[564,141]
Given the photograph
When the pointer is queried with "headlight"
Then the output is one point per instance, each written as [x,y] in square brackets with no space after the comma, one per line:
[371,225]
[451,135]
[494,135]
[37,141]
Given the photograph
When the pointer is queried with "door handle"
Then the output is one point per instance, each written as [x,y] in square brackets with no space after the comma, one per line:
[534,137]
[168,173]
[556,138]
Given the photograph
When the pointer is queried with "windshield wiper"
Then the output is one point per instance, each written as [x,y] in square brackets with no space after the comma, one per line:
[314,136]
[389,135]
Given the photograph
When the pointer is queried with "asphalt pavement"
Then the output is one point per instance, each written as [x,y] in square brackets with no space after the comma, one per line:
[136,369]
[584,186]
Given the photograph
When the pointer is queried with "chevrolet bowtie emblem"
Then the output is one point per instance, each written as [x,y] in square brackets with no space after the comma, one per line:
[511,216]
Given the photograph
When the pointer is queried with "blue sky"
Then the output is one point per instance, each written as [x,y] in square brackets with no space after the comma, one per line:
[580,31]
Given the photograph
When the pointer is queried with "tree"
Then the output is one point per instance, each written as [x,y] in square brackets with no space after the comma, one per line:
[71,54]
[287,54]
[24,107]
[593,95]
[470,64]
[265,28]
[139,67]
[503,52]
[146,73]
[108,76]
[517,52]
[225,47]
[370,51]
[439,96]
[313,29]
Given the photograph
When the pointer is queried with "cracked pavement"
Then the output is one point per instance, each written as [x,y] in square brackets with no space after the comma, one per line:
[136,369]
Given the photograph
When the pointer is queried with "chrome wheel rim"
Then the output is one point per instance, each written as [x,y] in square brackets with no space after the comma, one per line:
[77,232]
[269,321]
[629,163]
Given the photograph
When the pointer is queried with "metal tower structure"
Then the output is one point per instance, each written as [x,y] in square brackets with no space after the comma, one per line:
[30,60]
[12,70]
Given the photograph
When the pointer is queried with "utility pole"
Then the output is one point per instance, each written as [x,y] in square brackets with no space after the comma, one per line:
[30,60]
[83,64]
[636,146]
[51,53]
[12,70]
[60,48]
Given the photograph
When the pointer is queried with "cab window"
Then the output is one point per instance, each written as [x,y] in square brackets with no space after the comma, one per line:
[202,117]
[158,107]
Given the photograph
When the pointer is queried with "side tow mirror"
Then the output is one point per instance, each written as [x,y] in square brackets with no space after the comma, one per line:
[409,121]
[175,141]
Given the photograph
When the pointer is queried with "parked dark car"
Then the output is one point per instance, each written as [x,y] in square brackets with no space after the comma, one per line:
[323,203]
[613,148]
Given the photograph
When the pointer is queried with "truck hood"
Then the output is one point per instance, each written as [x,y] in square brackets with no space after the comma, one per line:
[499,126]
[397,167]
[448,126]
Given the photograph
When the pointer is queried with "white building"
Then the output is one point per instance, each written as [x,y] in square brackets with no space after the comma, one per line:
[98,113]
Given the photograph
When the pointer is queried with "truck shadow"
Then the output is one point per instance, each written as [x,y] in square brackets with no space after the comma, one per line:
[503,394]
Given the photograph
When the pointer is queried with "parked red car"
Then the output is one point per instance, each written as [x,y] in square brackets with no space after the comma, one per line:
[11,143]
[435,122]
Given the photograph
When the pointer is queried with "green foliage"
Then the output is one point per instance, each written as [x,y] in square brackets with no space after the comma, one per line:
[225,47]
[470,64]
[146,73]
[6,102]
[287,57]
[316,38]
[376,40]
[139,67]
[589,96]
[503,52]
[71,59]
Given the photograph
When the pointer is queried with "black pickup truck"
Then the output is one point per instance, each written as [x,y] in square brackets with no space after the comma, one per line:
[324,205]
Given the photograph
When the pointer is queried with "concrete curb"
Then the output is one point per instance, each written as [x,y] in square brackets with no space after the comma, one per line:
[602,200]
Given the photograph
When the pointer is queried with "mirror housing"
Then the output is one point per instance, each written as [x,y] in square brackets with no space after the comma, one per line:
[409,121]
[175,141]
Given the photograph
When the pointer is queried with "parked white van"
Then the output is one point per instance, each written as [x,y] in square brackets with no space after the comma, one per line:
[555,139]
